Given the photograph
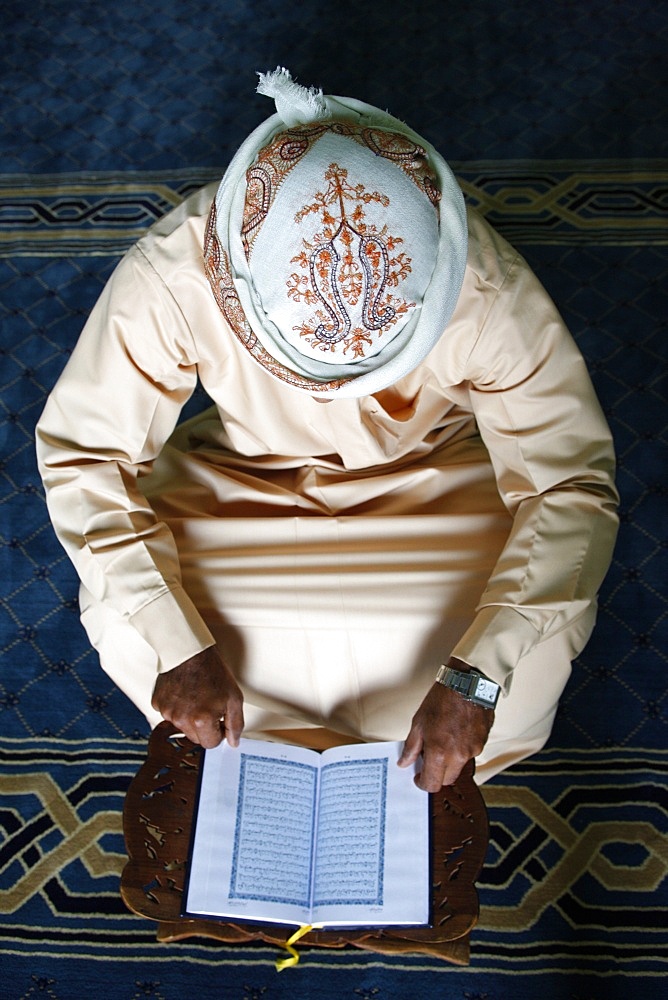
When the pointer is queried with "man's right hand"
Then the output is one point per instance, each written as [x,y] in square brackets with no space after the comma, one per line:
[202,699]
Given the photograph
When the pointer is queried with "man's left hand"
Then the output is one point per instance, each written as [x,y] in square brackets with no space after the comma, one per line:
[448,731]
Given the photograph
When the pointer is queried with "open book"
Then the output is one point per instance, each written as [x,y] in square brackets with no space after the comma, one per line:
[288,835]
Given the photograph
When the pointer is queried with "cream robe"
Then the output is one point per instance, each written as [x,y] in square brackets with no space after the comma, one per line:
[337,551]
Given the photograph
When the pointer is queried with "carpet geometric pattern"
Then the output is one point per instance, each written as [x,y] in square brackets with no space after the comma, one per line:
[112,115]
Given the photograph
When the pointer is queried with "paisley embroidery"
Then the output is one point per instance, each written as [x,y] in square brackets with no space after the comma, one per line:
[350,263]
[283,153]
[264,178]
[407,154]
[349,266]
[217,269]
[216,266]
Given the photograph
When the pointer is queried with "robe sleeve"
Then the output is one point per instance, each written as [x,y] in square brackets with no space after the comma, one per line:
[554,463]
[107,419]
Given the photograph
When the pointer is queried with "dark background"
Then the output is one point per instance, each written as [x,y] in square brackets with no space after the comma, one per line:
[519,94]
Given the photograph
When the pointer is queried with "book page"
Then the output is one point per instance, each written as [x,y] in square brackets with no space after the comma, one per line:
[373,851]
[252,848]
[273,837]
[257,823]
[351,833]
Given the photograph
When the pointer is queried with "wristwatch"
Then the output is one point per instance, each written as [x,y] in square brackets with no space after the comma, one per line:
[473,686]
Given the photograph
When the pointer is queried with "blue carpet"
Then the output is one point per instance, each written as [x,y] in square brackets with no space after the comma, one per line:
[554,117]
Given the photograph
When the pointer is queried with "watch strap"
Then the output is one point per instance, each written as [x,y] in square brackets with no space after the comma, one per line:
[471,685]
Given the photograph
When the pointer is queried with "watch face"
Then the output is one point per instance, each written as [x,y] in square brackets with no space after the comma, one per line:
[486,690]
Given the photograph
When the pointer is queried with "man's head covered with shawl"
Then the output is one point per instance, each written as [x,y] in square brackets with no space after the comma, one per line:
[336,245]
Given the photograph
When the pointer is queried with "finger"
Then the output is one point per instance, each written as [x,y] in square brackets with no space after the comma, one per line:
[433,784]
[234,723]
[431,777]
[208,730]
[412,748]
[454,769]
[186,729]
[439,770]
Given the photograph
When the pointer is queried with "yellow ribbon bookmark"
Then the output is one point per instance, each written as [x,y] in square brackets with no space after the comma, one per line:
[286,963]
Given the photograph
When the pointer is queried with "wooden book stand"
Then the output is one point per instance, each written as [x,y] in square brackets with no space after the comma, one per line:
[157,821]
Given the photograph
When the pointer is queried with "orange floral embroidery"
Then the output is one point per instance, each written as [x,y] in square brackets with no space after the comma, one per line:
[263,180]
[283,153]
[217,268]
[349,260]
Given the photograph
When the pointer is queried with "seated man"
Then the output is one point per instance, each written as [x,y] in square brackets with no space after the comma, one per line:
[401,503]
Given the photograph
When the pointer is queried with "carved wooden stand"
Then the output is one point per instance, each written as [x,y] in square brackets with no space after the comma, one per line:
[157,820]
